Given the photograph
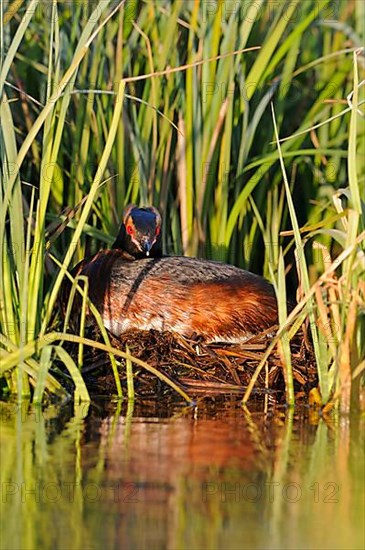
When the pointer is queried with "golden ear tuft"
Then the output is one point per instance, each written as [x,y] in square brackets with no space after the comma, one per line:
[128,209]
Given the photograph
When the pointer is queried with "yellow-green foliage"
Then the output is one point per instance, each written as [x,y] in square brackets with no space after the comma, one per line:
[168,103]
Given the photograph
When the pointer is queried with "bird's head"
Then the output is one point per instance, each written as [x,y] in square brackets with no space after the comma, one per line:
[140,232]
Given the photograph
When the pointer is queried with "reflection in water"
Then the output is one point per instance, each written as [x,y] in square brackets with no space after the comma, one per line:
[168,476]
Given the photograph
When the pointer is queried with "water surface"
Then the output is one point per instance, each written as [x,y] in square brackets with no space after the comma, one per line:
[163,475]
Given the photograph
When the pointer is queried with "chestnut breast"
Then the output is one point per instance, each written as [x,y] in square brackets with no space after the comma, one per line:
[185,295]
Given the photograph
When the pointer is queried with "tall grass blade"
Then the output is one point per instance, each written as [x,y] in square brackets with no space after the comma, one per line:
[302,265]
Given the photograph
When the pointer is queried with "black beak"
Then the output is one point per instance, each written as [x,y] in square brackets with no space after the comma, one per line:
[147,245]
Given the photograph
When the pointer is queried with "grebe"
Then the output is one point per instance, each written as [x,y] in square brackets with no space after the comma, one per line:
[189,296]
[140,233]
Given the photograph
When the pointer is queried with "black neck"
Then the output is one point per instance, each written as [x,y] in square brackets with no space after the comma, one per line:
[124,242]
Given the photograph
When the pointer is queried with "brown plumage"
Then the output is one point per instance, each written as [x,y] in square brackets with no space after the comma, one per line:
[189,296]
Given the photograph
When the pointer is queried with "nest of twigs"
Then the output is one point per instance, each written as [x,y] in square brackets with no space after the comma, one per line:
[198,367]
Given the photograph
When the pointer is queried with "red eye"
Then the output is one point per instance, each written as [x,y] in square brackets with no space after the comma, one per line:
[129,230]
[158,231]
